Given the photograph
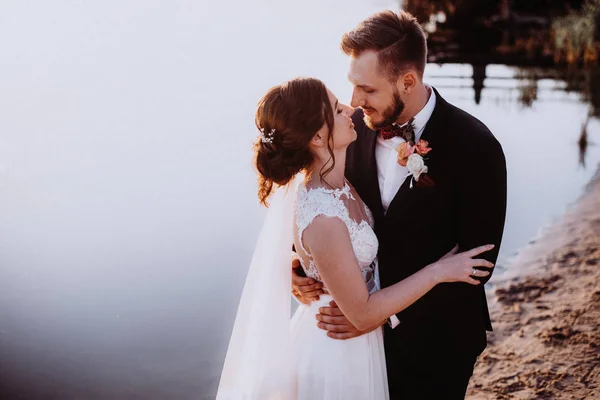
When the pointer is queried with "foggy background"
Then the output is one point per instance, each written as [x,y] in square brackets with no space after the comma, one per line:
[128,211]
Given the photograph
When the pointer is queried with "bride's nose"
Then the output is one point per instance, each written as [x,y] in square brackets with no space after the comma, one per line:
[348,111]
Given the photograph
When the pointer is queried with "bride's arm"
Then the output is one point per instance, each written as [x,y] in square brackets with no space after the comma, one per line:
[328,241]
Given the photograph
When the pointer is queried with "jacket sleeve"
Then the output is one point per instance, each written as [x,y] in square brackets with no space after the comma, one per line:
[481,195]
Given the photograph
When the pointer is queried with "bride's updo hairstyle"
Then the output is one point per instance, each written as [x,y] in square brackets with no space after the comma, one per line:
[288,116]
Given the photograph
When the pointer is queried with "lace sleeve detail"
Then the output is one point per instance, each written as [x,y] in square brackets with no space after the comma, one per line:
[319,202]
[370,218]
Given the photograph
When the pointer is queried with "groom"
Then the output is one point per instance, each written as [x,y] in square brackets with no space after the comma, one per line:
[459,198]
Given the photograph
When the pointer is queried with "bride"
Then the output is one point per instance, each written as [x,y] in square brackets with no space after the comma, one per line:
[300,157]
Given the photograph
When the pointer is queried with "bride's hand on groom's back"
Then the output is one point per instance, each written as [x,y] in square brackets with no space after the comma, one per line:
[305,289]
[462,267]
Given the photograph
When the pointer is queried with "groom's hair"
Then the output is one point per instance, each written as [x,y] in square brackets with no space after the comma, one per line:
[397,38]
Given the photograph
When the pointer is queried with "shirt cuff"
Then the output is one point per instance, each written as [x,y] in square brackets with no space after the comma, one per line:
[393,321]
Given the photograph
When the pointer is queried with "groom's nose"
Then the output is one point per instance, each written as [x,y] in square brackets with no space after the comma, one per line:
[356,100]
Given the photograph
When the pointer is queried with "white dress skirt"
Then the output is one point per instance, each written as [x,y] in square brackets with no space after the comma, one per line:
[333,369]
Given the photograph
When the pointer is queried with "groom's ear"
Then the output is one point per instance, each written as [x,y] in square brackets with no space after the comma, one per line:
[407,81]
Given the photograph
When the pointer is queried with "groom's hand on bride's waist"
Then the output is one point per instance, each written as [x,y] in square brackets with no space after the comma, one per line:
[304,289]
[332,320]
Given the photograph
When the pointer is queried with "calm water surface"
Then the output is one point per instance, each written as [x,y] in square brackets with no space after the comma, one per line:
[128,210]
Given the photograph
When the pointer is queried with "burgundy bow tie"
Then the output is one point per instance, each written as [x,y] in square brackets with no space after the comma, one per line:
[406,132]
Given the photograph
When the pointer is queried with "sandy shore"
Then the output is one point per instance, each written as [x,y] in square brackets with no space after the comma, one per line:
[546,339]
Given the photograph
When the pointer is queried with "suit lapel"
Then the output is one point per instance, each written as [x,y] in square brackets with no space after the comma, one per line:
[361,165]
[372,180]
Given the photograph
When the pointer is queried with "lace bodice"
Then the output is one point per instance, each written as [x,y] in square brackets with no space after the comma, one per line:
[311,203]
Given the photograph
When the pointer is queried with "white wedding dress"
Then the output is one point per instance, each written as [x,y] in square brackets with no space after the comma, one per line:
[274,356]
[327,368]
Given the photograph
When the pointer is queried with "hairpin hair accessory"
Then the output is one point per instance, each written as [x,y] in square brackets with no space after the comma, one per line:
[266,137]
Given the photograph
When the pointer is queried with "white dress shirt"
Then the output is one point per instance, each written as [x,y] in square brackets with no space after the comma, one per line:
[390,174]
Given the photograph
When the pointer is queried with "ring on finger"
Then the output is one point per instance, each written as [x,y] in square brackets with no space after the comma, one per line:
[474,272]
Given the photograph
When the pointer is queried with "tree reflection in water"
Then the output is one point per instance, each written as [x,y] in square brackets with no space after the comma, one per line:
[543,39]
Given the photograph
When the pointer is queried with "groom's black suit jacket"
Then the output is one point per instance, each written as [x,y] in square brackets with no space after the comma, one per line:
[466,206]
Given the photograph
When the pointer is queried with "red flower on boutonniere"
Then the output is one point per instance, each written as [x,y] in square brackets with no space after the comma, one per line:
[413,157]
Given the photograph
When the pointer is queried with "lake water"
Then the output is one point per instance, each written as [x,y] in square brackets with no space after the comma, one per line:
[128,211]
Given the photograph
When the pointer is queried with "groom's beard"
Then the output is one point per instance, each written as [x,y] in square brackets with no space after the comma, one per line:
[390,114]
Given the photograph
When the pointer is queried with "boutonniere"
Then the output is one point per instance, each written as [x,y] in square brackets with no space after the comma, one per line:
[414,157]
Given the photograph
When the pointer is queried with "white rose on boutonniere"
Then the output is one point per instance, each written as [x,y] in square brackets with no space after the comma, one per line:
[416,166]
[413,157]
